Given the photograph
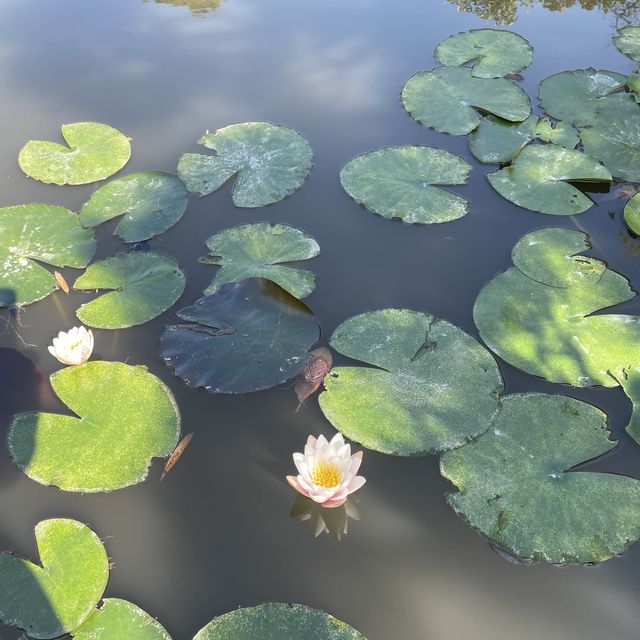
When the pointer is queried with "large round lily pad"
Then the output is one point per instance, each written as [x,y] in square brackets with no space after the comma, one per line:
[399,182]
[494,53]
[247,336]
[50,600]
[256,251]
[126,417]
[538,179]
[631,213]
[150,203]
[95,151]
[628,42]
[447,99]
[431,387]
[270,161]
[541,315]
[274,621]
[143,285]
[517,487]
[42,232]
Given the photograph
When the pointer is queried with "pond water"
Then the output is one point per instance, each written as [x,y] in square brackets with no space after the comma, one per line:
[216,534]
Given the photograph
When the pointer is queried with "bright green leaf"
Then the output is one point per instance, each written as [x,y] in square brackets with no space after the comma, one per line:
[632,214]
[562,133]
[628,42]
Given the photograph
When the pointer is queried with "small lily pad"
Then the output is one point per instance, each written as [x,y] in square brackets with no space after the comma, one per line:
[95,151]
[538,179]
[53,599]
[256,251]
[447,99]
[517,485]
[247,336]
[631,214]
[143,285]
[270,161]
[398,182]
[127,417]
[494,53]
[628,42]
[274,621]
[150,203]
[431,387]
[43,233]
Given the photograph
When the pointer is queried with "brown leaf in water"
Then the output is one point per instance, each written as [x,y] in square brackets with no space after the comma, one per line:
[175,456]
[62,283]
[514,76]
[311,376]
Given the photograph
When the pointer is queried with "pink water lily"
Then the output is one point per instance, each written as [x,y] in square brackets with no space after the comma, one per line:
[327,471]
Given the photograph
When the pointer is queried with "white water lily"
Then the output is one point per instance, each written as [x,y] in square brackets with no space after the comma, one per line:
[73,347]
[327,471]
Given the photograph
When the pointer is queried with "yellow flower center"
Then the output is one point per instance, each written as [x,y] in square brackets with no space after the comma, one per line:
[326,474]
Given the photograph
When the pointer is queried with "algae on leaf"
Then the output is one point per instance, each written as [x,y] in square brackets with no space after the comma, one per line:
[628,42]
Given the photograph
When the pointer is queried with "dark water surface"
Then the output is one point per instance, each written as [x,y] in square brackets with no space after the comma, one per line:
[216,534]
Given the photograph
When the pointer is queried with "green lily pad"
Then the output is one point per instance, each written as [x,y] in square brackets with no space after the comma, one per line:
[256,251]
[540,315]
[631,214]
[431,387]
[397,182]
[517,487]
[247,336]
[143,285]
[53,599]
[150,203]
[120,620]
[447,99]
[633,82]
[127,417]
[42,232]
[274,621]
[494,53]
[575,96]
[271,162]
[538,179]
[628,42]
[562,133]
[95,151]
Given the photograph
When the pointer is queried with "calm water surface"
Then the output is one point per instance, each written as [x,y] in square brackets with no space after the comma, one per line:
[217,533]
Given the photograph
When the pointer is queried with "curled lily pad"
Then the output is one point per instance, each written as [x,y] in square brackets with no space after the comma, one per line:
[120,620]
[447,99]
[247,336]
[494,53]
[43,233]
[517,485]
[271,162]
[143,285]
[274,621]
[150,203]
[631,214]
[256,251]
[127,417]
[628,42]
[95,151]
[538,179]
[53,599]
[575,96]
[399,182]
[540,315]
[431,387]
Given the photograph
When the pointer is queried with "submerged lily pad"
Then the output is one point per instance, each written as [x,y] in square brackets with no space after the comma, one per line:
[150,203]
[120,620]
[447,99]
[431,387]
[144,285]
[274,621]
[42,232]
[575,96]
[397,182]
[53,599]
[127,417]
[538,179]
[245,337]
[95,151]
[494,53]
[632,214]
[628,42]
[540,315]
[517,487]
[271,162]
[255,251]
